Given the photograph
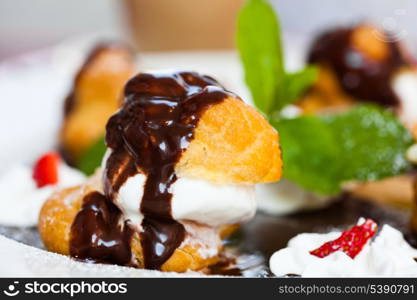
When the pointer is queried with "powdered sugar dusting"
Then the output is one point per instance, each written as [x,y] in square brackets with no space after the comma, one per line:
[19,260]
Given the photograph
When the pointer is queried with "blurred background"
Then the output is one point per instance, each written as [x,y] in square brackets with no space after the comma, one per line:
[157,25]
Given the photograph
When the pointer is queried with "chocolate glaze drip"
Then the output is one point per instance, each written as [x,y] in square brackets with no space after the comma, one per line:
[360,77]
[99,233]
[148,135]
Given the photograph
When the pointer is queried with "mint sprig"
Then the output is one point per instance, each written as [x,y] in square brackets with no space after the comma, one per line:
[320,153]
[296,84]
[261,53]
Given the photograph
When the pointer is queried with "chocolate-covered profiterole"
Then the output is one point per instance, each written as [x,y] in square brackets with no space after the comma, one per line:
[99,49]
[147,135]
[360,76]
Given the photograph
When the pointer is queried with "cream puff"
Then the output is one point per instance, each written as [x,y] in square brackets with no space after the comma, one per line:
[95,96]
[363,64]
[183,158]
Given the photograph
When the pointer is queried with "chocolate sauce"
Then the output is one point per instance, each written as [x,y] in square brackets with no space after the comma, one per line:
[225,267]
[362,78]
[148,135]
[234,263]
[99,233]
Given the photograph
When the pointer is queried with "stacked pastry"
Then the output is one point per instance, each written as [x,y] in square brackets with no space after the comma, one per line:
[179,173]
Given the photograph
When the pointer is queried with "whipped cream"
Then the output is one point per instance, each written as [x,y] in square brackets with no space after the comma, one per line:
[21,200]
[284,197]
[193,200]
[203,238]
[389,255]
[405,86]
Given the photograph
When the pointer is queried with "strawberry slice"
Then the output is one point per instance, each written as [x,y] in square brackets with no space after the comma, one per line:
[45,171]
[350,241]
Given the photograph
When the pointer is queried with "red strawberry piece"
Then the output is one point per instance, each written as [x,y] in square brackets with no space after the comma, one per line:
[350,241]
[45,171]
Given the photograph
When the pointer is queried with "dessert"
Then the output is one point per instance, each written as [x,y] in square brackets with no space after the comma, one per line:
[387,255]
[182,161]
[184,158]
[357,65]
[360,64]
[95,95]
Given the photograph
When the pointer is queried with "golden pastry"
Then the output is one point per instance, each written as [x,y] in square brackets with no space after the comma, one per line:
[179,173]
[95,96]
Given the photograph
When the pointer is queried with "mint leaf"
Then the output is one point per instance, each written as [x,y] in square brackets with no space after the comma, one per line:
[373,135]
[297,84]
[259,44]
[261,53]
[308,147]
[363,144]
[91,159]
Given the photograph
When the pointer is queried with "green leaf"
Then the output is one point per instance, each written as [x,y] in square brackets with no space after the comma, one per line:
[259,44]
[322,152]
[307,148]
[92,158]
[261,53]
[376,137]
[296,84]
